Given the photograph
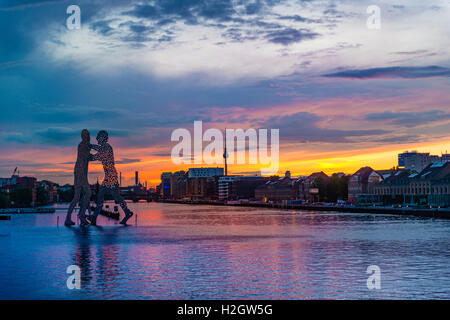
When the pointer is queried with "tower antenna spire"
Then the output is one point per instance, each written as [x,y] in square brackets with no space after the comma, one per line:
[225,153]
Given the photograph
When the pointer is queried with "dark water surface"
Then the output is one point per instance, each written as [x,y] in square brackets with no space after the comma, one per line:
[206,252]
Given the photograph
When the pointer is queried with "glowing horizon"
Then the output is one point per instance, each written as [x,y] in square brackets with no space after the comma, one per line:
[342,95]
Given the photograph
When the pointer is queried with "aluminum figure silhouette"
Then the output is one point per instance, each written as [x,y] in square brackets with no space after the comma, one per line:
[81,182]
[110,182]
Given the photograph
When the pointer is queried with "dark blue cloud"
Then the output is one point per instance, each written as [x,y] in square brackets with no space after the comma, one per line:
[243,18]
[15,41]
[12,64]
[400,139]
[305,127]
[103,27]
[13,5]
[166,13]
[127,161]
[221,10]
[409,119]
[59,136]
[393,72]
[239,35]
[165,21]
[288,36]
[23,21]
[46,104]
[411,52]
[298,18]
[72,114]
[143,11]
[190,11]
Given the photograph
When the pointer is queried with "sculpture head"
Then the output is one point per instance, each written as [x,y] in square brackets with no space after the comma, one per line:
[85,136]
[102,137]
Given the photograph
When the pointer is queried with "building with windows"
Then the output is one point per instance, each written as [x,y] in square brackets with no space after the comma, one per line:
[50,190]
[205,172]
[165,184]
[239,187]
[177,187]
[194,184]
[244,187]
[202,188]
[416,161]
[276,190]
[8,185]
[430,187]
[225,184]
[309,187]
[361,184]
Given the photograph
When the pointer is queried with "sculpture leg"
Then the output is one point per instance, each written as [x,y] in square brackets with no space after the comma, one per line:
[99,205]
[75,200]
[119,200]
[84,204]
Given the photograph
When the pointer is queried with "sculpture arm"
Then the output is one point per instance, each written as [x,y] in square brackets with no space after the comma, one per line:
[95,157]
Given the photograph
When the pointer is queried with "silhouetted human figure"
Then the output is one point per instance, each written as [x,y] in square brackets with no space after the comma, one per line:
[81,182]
[89,212]
[110,183]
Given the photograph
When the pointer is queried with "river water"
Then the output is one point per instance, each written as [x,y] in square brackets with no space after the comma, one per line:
[174,251]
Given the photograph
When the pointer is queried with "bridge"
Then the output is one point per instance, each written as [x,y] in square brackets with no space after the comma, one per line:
[139,196]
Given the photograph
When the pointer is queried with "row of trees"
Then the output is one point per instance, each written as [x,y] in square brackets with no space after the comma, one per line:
[4,200]
[20,197]
[330,190]
[333,189]
[23,197]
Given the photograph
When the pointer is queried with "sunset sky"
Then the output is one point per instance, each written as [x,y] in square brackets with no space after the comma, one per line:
[342,95]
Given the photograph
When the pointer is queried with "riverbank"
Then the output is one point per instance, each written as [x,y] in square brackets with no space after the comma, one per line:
[49,210]
[418,212]
[27,210]
[443,213]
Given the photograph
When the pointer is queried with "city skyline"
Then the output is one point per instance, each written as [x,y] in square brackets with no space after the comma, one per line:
[135,178]
[343,96]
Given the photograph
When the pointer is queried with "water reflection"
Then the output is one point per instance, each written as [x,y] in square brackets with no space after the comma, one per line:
[192,252]
[96,252]
[108,259]
[82,256]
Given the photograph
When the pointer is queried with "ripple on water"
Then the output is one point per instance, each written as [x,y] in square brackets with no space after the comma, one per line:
[207,252]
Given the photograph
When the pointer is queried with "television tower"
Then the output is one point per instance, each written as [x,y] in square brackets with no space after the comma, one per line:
[225,153]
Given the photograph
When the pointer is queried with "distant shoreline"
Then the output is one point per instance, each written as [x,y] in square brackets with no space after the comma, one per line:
[418,212]
[27,210]
[443,213]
